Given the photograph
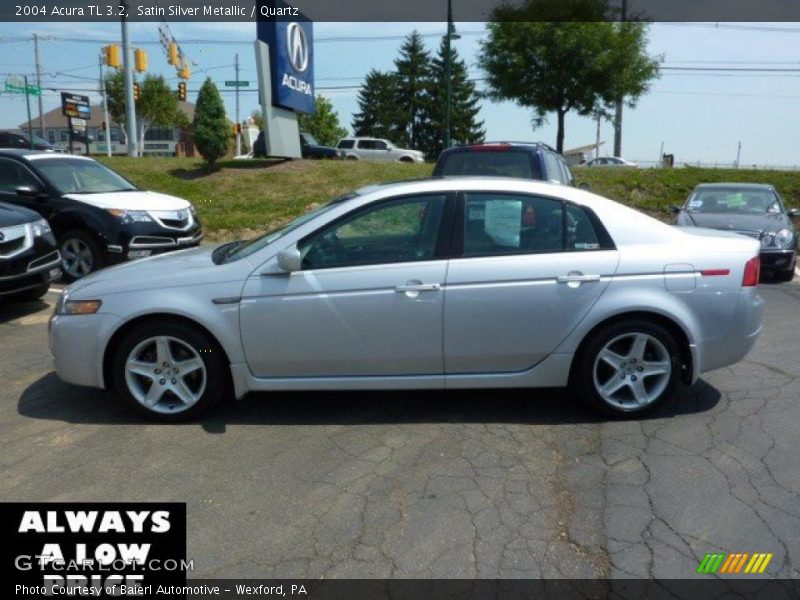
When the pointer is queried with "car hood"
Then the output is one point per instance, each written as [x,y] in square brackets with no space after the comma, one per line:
[733,222]
[11,215]
[136,200]
[173,269]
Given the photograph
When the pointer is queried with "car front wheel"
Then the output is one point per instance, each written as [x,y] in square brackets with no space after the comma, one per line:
[80,254]
[169,371]
[628,369]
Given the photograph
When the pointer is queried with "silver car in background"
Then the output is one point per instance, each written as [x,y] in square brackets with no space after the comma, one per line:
[443,284]
[377,150]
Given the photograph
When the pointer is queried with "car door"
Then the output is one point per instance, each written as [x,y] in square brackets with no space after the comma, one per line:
[367,302]
[528,270]
[366,149]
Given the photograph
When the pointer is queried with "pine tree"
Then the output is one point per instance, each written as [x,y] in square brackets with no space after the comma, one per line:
[211,127]
[378,111]
[413,89]
[464,106]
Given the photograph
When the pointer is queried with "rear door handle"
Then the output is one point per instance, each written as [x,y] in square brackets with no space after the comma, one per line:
[577,278]
[418,287]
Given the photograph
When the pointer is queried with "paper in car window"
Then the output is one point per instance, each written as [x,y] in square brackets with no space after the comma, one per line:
[502,222]
[695,203]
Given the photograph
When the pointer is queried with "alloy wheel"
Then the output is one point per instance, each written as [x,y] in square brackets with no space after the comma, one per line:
[165,375]
[76,258]
[632,371]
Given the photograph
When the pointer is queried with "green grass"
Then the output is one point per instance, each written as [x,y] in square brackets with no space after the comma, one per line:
[243,198]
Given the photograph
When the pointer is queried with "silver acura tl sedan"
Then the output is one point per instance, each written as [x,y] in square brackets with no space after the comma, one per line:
[443,283]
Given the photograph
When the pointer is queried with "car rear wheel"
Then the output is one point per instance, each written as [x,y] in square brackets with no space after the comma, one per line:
[80,254]
[629,368]
[169,371]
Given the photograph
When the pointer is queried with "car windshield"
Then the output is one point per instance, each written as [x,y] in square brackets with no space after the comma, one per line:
[734,200]
[238,250]
[310,139]
[81,176]
[507,163]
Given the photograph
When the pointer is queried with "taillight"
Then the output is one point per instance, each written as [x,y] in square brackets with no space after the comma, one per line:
[751,272]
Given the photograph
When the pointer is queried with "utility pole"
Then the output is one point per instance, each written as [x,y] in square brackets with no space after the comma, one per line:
[28,103]
[449,37]
[38,82]
[238,133]
[738,154]
[618,108]
[105,107]
[597,136]
[661,155]
[130,106]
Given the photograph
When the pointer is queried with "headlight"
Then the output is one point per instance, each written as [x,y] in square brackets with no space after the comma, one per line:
[41,228]
[193,210]
[79,307]
[131,216]
[784,238]
[766,240]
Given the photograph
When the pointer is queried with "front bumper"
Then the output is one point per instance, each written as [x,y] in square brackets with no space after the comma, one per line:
[77,343]
[778,260]
[29,270]
[141,241]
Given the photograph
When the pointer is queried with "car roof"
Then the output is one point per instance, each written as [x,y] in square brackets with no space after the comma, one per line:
[745,186]
[20,152]
[499,143]
[31,155]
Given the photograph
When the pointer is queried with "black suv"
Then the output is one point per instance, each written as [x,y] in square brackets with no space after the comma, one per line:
[98,217]
[526,160]
[309,148]
[28,255]
[21,140]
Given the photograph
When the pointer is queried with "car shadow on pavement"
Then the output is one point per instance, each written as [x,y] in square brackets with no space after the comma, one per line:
[14,310]
[49,398]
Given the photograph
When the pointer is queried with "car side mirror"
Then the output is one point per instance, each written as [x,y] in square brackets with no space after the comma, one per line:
[585,185]
[28,191]
[290,260]
[674,209]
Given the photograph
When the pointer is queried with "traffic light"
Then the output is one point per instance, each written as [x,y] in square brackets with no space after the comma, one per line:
[184,73]
[182,91]
[113,56]
[137,91]
[172,54]
[140,60]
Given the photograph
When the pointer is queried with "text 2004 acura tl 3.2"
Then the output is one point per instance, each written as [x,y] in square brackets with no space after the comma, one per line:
[448,283]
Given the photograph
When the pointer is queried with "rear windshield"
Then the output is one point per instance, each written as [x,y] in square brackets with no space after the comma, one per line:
[345,144]
[500,164]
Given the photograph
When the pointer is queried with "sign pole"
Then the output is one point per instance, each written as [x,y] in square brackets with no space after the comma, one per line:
[71,134]
[28,103]
[107,132]
[39,82]
[238,134]
[130,106]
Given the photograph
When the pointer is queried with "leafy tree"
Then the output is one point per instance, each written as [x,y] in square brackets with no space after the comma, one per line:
[211,127]
[323,124]
[379,112]
[158,106]
[464,106]
[581,66]
[115,97]
[413,89]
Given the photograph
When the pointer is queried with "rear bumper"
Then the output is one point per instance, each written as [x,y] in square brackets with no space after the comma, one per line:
[747,323]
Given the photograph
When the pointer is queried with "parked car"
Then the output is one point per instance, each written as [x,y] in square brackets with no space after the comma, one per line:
[611,161]
[21,140]
[752,209]
[364,148]
[98,217]
[29,258]
[443,283]
[528,160]
[309,148]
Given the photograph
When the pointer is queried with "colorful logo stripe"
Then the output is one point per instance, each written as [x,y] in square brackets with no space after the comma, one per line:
[732,563]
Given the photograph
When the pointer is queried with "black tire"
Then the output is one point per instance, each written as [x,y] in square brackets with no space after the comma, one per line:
[583,374]
[86,239]
[352,158]
[30,295]
[217,375]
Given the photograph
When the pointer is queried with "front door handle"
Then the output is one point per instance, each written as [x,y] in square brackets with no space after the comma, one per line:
[418,287]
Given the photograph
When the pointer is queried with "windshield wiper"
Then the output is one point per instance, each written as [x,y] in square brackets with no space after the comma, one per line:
[221,253]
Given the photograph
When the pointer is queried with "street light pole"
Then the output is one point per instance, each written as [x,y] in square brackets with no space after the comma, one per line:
[130,106]
[449,36]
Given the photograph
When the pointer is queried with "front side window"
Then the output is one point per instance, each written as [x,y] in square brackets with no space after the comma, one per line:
[379,145]
[497,224]
[14,175]
[366,145]
[400,230]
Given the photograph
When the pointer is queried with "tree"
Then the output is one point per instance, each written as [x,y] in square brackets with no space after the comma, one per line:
[413,89]
[323,124]
[115,97]
[257,116]
[211,127]
[158,106]
[464,107]
[581,66]
[379,113]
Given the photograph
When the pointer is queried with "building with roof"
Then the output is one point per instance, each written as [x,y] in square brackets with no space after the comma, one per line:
[157,141]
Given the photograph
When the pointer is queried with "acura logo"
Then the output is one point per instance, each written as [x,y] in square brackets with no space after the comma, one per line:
[297,44]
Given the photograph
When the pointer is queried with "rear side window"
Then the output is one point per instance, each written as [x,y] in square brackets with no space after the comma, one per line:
[366,144]
[581,232]
[497,224]
[345,144]
[489,163]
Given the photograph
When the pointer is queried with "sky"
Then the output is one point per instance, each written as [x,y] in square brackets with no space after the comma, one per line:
[699,116]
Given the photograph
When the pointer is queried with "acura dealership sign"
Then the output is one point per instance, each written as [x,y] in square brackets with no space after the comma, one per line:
[291,54]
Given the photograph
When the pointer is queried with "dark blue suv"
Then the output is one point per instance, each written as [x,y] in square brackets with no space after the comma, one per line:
[527,160]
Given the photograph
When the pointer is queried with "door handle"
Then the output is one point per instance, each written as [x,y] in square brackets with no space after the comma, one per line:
[575,278]
[418,287]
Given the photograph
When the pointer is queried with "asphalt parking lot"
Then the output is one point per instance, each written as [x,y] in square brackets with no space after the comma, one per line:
[459,484]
